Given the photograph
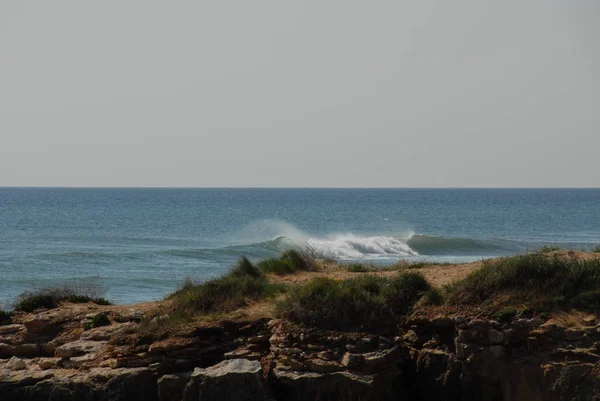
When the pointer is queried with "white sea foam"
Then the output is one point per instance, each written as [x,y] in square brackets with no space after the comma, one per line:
[351,246]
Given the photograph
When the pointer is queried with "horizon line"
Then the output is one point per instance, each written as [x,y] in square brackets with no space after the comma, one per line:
[276,187]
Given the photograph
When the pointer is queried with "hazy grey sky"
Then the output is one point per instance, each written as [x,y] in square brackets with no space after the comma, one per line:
[305,93]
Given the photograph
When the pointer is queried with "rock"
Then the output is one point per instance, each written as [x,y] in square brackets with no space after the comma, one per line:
[573,335]
[497,351]
[11,328]
[48,363]
[353,361]
[79,361]
[15,363]
[273,323]
[441,321]
[236,379]
[79,347]
[37,323]
[105,332]
[382,360]
[410,337]
[238,353]
[464,350]
[262,339]
[320,366]
[171,387]
[326,356]
[460,322]
[524,323]
[21,350]
[299,386]
[495,336]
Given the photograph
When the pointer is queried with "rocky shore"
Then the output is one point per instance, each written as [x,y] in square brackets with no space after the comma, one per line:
[48,356]
[436,353]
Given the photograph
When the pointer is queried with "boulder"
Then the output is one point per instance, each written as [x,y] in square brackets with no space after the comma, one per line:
[495,336]
[230,380]
[15,363]
[353,361]
[79,347]
[171,387]
[48,363]
[38,323]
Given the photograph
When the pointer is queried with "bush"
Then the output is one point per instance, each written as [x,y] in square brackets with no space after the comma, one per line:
[299,260]
[362,303]
[277,266]
[245,268]
[549,248]
[505,315]
[289,262]
[243,283]
[5,317]
[100,320]
[596,249]
[535,278]
[359,268]
[51,297]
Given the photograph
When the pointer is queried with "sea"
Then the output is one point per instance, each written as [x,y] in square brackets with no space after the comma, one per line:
[139,244]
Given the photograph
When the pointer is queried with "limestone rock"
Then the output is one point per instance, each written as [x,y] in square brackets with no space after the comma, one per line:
[171,387]
[79,347]
[235,379]
[320,366]
[15,363]
[48,363]
[299,386]
[11,328]
[353,361]
[105,332]
[37,323]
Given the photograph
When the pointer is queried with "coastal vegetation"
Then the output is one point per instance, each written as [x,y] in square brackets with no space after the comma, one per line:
[534,279]
[596,249]
[51,297]
[244,283]
[289,262]
[549,248]
[361,303]
[5,317]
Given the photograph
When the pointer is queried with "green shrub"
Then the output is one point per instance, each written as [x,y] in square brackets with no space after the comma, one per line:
[289,262]
[535,278]
[359,268]
[277,266]
[100,320]
[5,317]
[245,268]
[596,249]
[223,294]
[549,248]
[299,260]
[362,303]
[505,315]
[51,297]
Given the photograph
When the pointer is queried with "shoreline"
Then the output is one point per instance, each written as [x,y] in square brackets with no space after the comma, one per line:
[448,348]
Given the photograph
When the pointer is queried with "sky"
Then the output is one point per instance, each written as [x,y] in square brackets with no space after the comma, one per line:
[337,93]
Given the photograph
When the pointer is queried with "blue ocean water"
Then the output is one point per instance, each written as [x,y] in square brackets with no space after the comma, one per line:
[139,244]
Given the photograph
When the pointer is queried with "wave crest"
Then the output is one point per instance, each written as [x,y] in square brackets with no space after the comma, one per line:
[355,247]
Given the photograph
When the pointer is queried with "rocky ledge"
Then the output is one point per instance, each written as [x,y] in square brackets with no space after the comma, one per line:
[49,356]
